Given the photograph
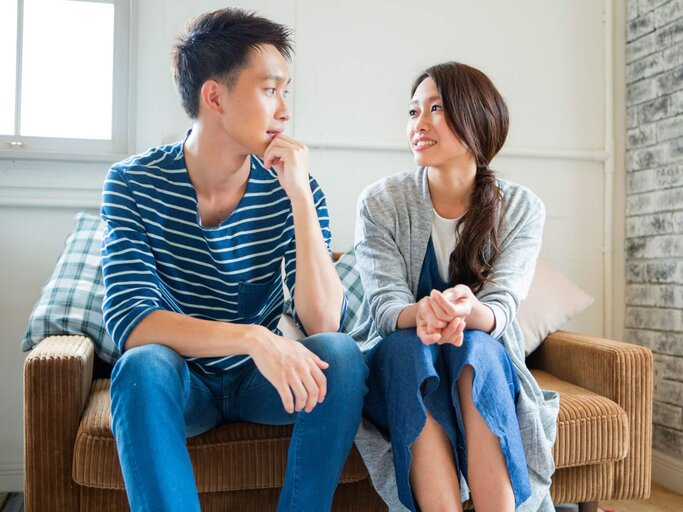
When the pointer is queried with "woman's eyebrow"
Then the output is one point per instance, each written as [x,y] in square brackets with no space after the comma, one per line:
[431,98]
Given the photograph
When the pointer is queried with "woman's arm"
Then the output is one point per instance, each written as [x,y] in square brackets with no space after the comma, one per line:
[513,269]
[382,267]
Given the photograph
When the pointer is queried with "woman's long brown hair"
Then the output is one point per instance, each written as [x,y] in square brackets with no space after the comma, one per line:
[478,116]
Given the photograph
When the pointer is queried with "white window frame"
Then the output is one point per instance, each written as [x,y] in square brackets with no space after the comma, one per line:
[56,148]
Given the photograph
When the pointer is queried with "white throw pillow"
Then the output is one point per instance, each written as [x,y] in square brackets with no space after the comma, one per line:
[553,300]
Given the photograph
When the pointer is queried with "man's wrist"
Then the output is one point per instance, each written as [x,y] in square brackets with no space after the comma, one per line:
[255,337]
[302,200]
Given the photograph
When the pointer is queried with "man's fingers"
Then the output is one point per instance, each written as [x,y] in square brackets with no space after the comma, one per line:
[320,380]
[319,362]
[299,391]
[312,390]
[272,156]
[286,396]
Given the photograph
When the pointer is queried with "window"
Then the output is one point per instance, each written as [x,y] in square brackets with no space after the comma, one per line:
[65,76]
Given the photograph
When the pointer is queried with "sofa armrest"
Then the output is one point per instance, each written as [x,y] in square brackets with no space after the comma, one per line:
[621,372]
[57,379]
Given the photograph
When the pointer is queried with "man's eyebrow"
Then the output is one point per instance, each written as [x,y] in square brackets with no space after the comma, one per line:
[277,78]
[431,98]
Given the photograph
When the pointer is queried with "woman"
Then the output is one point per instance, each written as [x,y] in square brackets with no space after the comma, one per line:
[446,254]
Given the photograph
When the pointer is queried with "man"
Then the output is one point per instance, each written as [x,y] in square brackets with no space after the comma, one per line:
[196,235]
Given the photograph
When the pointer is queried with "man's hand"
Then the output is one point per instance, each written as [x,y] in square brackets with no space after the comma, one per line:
[295,371]
[289,158]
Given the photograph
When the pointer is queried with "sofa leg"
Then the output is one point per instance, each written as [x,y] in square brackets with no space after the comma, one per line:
[589,506]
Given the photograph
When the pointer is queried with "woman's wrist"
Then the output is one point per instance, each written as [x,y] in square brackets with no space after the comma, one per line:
[481,317]
[407,318]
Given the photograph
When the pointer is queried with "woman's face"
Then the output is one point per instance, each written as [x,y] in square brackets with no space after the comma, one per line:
[431,140]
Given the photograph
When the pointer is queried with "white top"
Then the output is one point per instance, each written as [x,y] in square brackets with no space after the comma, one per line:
[443,238]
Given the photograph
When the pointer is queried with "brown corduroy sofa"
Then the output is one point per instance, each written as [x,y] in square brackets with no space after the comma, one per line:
[602,451]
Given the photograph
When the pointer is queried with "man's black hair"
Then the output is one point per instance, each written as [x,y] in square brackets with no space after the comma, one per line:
[217,45]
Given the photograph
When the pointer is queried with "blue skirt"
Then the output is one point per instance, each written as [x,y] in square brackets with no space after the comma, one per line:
[400,365]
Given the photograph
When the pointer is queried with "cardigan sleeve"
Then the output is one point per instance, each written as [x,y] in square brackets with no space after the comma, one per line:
[382,267]
[514,267]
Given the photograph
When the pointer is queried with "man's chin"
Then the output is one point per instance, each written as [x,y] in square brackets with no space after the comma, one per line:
[260,150]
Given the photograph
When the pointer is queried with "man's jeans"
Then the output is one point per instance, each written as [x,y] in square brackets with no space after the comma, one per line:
[157,401]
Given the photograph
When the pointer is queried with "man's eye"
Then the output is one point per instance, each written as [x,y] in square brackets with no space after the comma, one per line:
[285,93]
[270,90]
[412,112]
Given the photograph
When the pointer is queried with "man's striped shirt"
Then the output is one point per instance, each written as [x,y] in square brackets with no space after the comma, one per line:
[156,255]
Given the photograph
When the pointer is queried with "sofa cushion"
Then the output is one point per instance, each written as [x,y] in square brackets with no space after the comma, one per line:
[71,300]
[230,457]
[591,429]
[552,301]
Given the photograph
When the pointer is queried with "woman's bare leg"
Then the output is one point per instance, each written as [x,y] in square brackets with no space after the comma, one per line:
[433,476]
[487,474]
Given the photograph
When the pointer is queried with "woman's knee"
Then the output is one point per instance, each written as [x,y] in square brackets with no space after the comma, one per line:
[401,348]
[480,346]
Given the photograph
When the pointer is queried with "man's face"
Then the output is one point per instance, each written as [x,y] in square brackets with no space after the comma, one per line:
[255,110]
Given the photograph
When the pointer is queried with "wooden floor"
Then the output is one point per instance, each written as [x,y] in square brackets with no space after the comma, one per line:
[661,500]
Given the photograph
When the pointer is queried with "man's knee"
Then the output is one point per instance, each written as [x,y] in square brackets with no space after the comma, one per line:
[148,364]
[347,372]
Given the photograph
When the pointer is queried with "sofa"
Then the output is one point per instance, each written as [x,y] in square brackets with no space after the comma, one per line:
[602,450]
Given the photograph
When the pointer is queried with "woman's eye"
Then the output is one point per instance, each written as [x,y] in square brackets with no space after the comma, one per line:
[285,93]
[412,112]
[435,108]
[270,90]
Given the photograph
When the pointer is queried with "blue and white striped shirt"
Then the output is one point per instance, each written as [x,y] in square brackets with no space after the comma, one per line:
[156,255]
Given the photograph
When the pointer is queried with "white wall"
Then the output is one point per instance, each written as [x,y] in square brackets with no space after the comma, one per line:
[354,64]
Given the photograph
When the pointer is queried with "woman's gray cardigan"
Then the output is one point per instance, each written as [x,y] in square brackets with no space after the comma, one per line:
[392,232]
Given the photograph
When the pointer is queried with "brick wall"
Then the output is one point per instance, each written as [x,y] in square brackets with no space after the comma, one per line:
[654,203]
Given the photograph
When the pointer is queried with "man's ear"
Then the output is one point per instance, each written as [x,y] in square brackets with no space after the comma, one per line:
[211,96]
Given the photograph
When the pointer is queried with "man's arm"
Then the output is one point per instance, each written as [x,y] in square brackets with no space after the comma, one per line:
[317,291]
[291,368]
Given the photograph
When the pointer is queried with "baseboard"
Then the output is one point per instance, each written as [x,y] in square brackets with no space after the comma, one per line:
[12,477]
[667,471]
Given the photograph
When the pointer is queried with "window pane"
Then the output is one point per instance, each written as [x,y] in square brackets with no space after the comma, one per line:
[8,64]
[67,69]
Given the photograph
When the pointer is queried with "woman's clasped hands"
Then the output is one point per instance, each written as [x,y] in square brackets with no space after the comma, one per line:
[441,316]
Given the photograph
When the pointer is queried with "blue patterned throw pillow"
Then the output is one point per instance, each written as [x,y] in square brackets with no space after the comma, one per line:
[71,300]
[350,280]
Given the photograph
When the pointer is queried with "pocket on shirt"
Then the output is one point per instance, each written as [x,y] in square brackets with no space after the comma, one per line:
[252,298]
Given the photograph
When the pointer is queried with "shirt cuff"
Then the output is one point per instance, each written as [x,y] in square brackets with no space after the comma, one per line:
[500,317]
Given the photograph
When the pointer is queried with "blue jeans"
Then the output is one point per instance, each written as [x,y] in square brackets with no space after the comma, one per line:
[157,401]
